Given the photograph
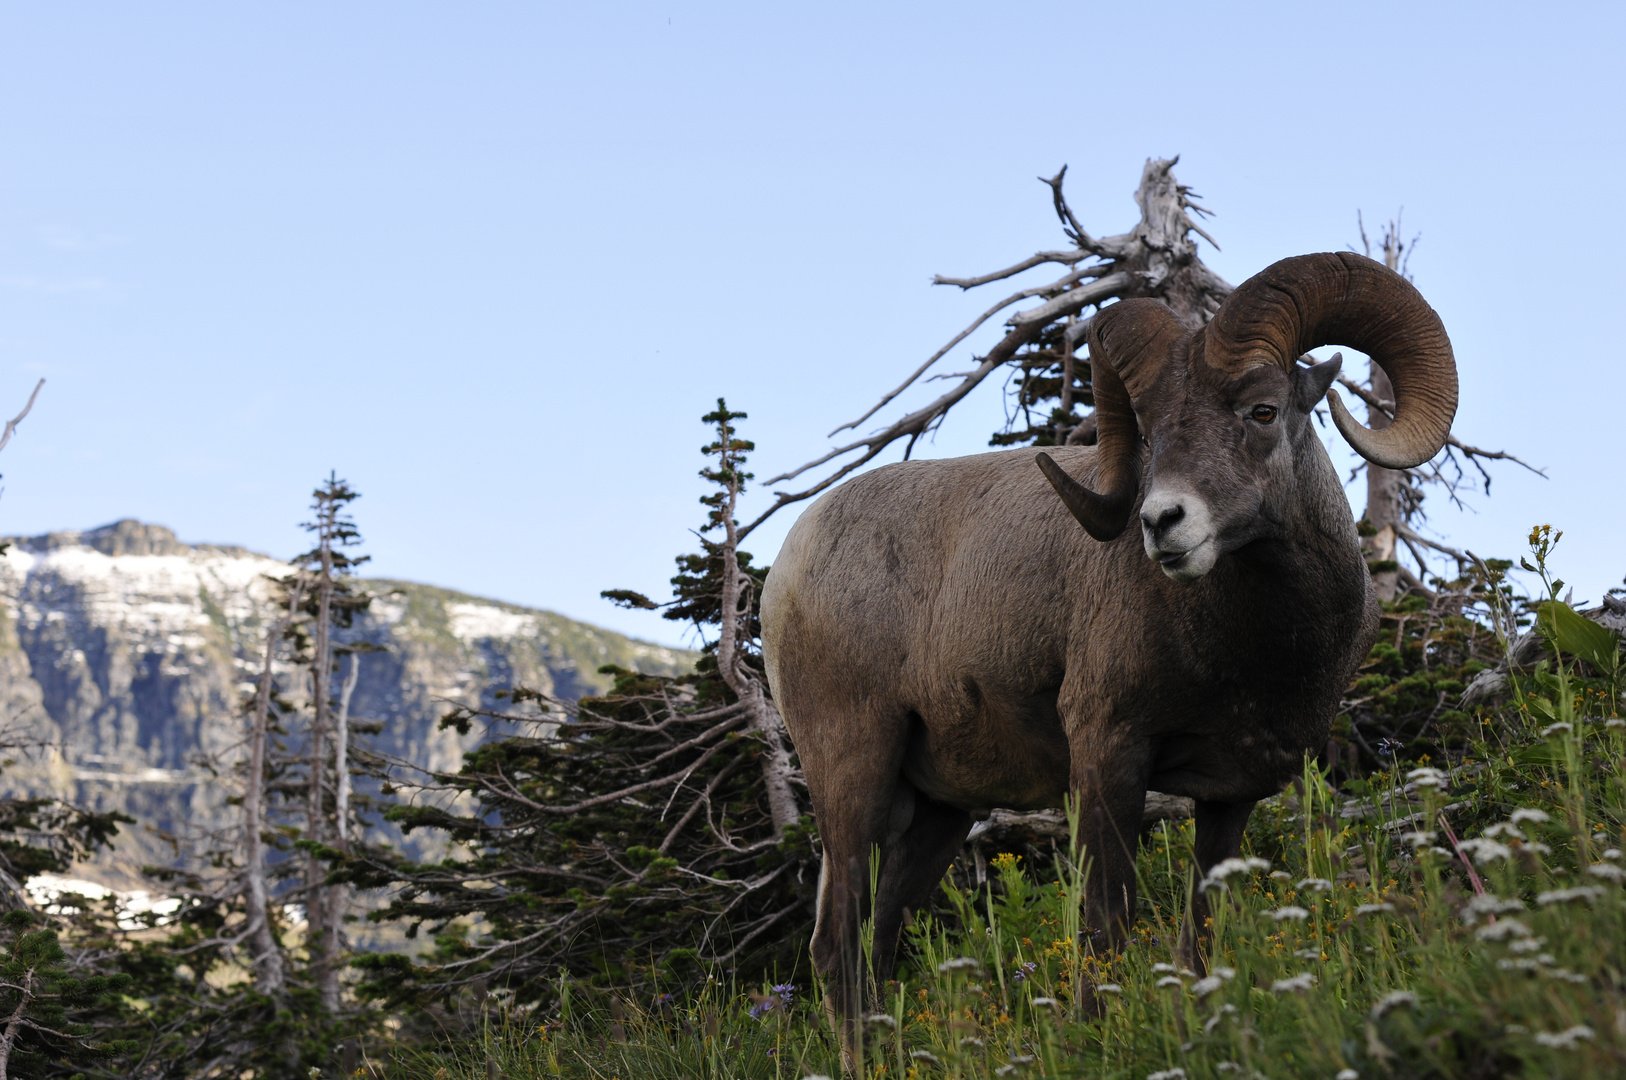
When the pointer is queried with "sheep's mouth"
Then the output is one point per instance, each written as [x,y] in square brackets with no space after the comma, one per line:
[1187,565]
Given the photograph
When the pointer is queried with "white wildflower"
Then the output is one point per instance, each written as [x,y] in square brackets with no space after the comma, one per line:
[1227,1066]
[1300,982]
[1566,1039]
[1186,973]
[1607,871]
[1347,1074]
[1162,969]
[1502,930]
[1319,884]
[1485,850]
[1438,851]
[1280,875]
[1219,1014]
[1309,954]
[1418,839]
[1169,980]
[1529,813]
[1021,1059]
[1290,911]
[883,1019]
[1203,987]
[1167,1074]
[1226,867]
[1050,1001]
[959,963]
[971,1040]
[1428,777]
[1527,944]
[1588,893]
[1488,904]
[1611,854]
[1392,1000]
[923,1055]
[1567,976]
[1374,909]
[1521,963]
[1615,723]
[1504,828]
[1109,988]
[1560,728]
[1538,847]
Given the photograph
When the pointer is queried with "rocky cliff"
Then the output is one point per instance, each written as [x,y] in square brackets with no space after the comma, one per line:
[125,656]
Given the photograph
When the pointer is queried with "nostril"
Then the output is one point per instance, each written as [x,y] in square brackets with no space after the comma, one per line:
[1166,518]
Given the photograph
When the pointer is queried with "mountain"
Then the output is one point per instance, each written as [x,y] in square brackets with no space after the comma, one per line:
[125,657]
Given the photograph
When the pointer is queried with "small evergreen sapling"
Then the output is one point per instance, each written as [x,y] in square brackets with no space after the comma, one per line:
[41,999]
[625,839]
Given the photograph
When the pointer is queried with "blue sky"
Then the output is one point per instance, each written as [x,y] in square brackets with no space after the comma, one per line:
[492,262]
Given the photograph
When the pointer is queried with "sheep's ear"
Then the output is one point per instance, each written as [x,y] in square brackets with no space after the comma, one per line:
[1312,383]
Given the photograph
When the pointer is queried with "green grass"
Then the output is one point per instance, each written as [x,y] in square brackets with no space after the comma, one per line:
[1354,943]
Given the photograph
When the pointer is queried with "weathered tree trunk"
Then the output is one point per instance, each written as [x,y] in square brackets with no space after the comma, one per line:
[333,930]
[765,718]
[1385,506]
[268,969]
[319,900]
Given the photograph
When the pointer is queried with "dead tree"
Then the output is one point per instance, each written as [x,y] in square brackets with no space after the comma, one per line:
[269,974]
[1156,258]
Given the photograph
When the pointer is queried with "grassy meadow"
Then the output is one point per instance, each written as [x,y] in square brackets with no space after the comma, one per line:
[1459,917]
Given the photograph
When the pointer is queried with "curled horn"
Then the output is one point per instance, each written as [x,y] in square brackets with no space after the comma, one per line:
[1129,343]
[1340,298]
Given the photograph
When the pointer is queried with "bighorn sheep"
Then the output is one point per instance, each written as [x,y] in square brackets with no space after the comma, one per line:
[943,639]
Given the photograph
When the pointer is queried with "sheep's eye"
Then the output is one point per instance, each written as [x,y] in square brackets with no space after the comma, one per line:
[1264,414]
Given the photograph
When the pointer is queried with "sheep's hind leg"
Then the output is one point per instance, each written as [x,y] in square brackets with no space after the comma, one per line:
[912,868]
[854,798]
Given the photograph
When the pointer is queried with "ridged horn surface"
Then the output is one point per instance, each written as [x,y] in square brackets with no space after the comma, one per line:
[1340,298]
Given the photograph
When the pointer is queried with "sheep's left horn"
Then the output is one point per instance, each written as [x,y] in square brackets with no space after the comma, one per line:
[1103,516]
[1130,341]
[1340,298]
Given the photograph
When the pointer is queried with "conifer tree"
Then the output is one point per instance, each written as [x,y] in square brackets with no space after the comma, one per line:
[236,889]
[326,577]
[41,997]
[621,840]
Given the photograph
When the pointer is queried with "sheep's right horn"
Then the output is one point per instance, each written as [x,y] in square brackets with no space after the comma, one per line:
[1340,298]
[1130,341]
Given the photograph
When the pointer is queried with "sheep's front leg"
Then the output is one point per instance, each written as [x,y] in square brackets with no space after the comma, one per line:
[1111,789]
[1219,837]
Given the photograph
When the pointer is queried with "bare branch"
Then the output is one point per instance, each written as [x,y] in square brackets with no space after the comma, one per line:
[1410,535]
[1071,303]
[11,426]
[1388,409]
[1040,290]
[1066,257]
[913,424]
